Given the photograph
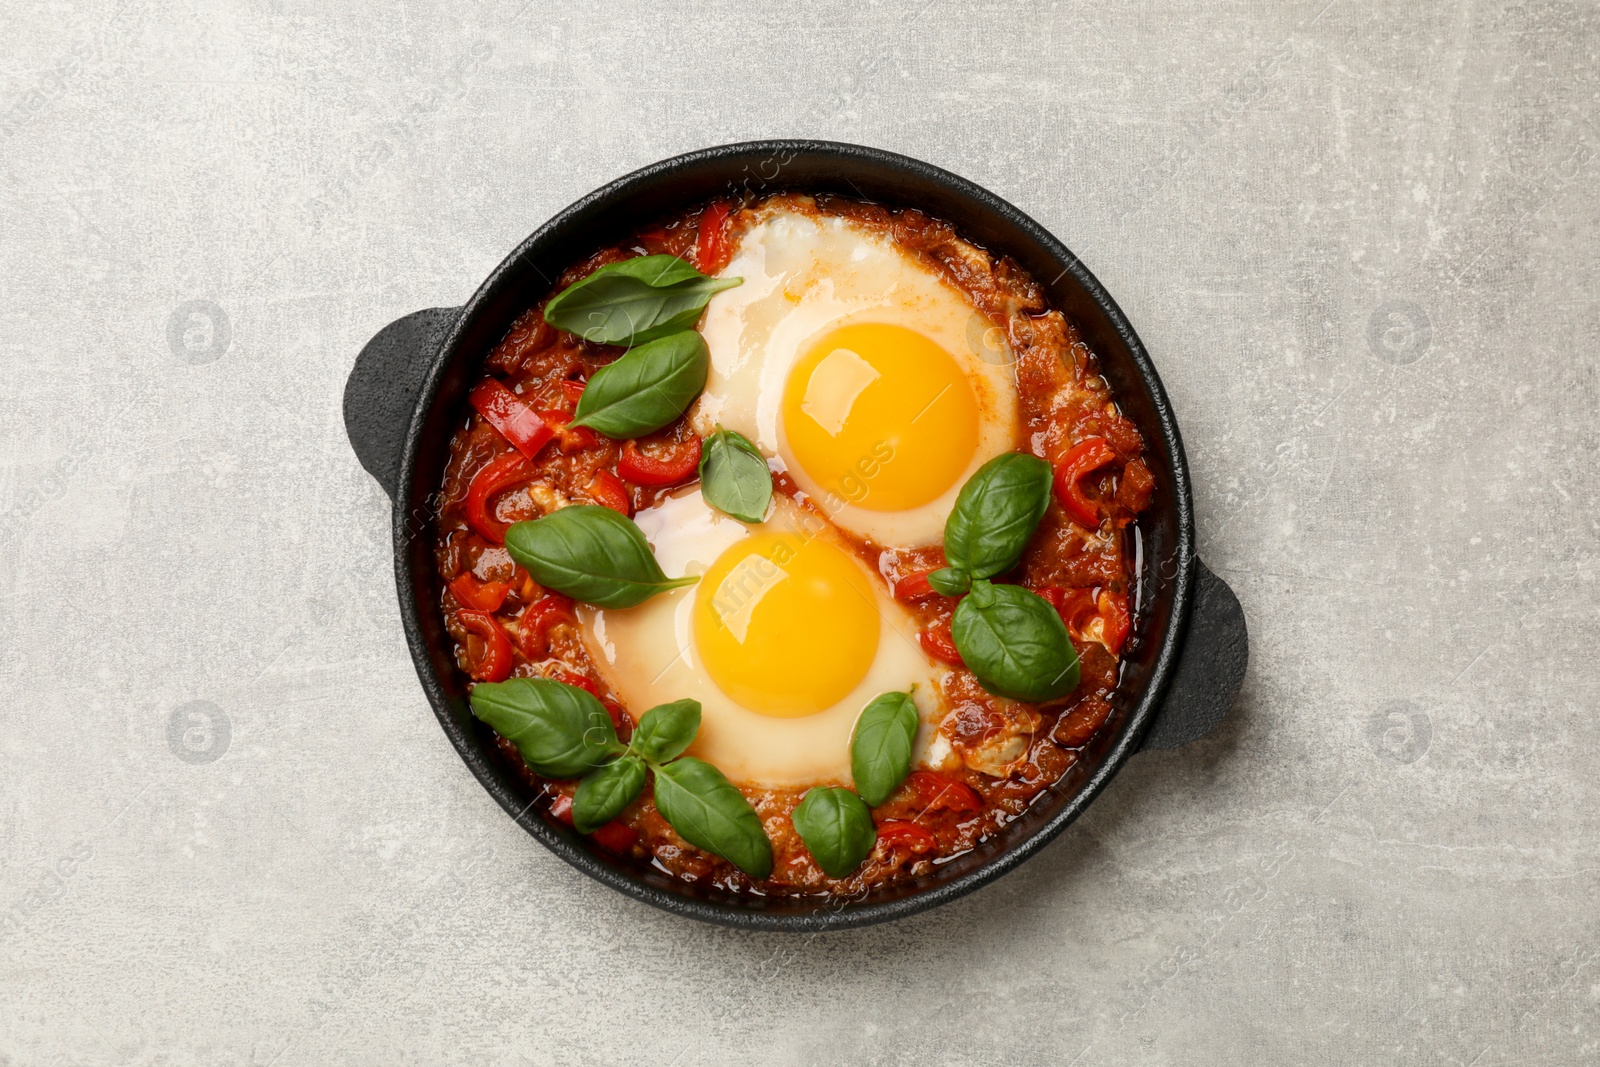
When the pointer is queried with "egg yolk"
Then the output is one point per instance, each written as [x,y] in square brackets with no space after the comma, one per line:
[881,416]
[785,624]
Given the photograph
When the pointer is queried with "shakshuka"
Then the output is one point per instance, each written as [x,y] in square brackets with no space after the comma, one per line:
[830,424]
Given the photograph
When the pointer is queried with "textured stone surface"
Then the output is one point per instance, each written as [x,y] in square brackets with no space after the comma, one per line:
[1359,239]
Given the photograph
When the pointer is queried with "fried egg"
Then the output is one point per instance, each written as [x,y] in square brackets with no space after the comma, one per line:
[871,379]
[783,641]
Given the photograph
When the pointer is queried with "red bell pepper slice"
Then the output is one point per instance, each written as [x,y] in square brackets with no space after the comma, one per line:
[643,468]
[1075,606]
[915,587]
[495,663]
[897,833]
[613,709]
[1080,609]
[711,245]
[937,642]
[620,720]
[607,490]
[573,391]
[500,474]
[481,596]
[536,621]
[616,837]
[1115,621]
[573,678]
[513,416]
[1082,460]
[568,438]
[935,791]
[524,584]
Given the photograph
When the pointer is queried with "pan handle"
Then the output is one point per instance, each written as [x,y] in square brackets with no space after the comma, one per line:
[384,384]
[1210,667]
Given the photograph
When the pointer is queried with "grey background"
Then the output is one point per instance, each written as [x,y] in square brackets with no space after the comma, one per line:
[1359,240]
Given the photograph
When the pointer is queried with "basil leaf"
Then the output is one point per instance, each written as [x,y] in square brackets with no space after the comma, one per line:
[710,813]
[951,581]
[837,828]
[647,388]
[666,730]
[880,748]
[734,477]
[604,793]
[591,554]
[560,730]
[1015,643]
[634,301]
[996,513]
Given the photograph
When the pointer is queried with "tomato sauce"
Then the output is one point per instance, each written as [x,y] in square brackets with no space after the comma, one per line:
[998,756]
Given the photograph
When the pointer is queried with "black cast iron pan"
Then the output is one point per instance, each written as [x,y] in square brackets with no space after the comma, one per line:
[407,394]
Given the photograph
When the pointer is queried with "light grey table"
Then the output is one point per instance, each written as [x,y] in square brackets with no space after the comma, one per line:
[1358,238]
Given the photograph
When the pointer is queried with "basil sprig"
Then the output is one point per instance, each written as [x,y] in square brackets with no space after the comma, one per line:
[592,554]
[647,388]
[1014,642]
[634,301]
[664,732]
[836,827]
[996,513]
[880,747]
[561,730]
[734,477]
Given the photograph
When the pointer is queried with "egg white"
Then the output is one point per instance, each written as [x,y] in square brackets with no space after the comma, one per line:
[805,276]
[647,653]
